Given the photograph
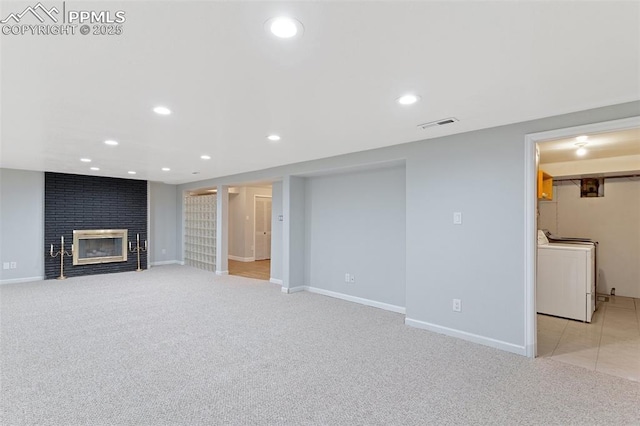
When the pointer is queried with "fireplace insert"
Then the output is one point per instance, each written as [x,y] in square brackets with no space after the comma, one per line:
[99,246]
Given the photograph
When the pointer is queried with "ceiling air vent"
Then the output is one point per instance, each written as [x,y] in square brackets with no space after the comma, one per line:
[437,123]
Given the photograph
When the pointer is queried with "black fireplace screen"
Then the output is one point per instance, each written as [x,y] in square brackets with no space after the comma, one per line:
[99,246]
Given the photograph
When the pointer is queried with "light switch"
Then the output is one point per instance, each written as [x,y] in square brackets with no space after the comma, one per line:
[457,218]
[457,305]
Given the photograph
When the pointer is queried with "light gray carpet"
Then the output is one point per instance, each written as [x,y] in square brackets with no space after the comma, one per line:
[176,345]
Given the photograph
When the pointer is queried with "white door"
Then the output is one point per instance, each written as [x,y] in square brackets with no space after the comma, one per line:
[263,228]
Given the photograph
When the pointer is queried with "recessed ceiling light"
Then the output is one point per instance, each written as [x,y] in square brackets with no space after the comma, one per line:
[273,138]
[166,169]
[283,27]
[95,168]
[131,172]
[85,160]
[408,99]
[111,142]
[582,138]
[205,157]
[162,110]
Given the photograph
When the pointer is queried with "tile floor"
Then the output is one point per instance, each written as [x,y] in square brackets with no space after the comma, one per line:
[609,344]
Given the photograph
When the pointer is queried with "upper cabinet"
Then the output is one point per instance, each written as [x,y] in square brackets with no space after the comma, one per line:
[545,186]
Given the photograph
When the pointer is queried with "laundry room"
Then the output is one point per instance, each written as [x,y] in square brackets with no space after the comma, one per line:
[596,196]
[588,257]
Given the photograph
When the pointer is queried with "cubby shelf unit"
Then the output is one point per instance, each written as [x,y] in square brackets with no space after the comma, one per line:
[200,231]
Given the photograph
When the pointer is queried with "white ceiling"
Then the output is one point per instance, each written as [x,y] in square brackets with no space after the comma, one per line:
[330,92]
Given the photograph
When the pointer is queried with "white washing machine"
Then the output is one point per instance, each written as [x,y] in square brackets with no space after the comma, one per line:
[565,281]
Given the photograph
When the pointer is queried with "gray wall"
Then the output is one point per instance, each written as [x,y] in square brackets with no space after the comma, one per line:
[22,225]
[237,207]
[356,225]
[294,230]
[162,221]
[481,262]
[276,231]
[613,221]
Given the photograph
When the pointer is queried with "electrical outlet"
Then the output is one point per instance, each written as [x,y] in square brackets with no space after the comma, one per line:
[353,278]
[164,251]
[457,305]
[14,265]
[5,265]
[347,278]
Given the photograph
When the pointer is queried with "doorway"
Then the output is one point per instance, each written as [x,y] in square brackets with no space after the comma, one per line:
[250,231]
[606,343]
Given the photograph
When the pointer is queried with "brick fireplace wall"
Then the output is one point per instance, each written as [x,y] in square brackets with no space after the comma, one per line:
[78,202]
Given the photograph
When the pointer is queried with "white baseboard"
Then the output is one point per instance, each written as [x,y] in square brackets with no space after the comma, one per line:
[355,299]
[181,262]
[166,262]
[475,338]
[241,259]
[275,281]
[293,289]
[360,300]
[21,280]
[222,272]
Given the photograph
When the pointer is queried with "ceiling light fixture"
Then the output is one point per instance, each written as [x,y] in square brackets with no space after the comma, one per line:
[284,27]
[95,168]
[581,151]
[205,157]
[111,142]
[166,169]
[273,138]
[408,99]
[131,172]
[582,138]
[162,110]
[85,160]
